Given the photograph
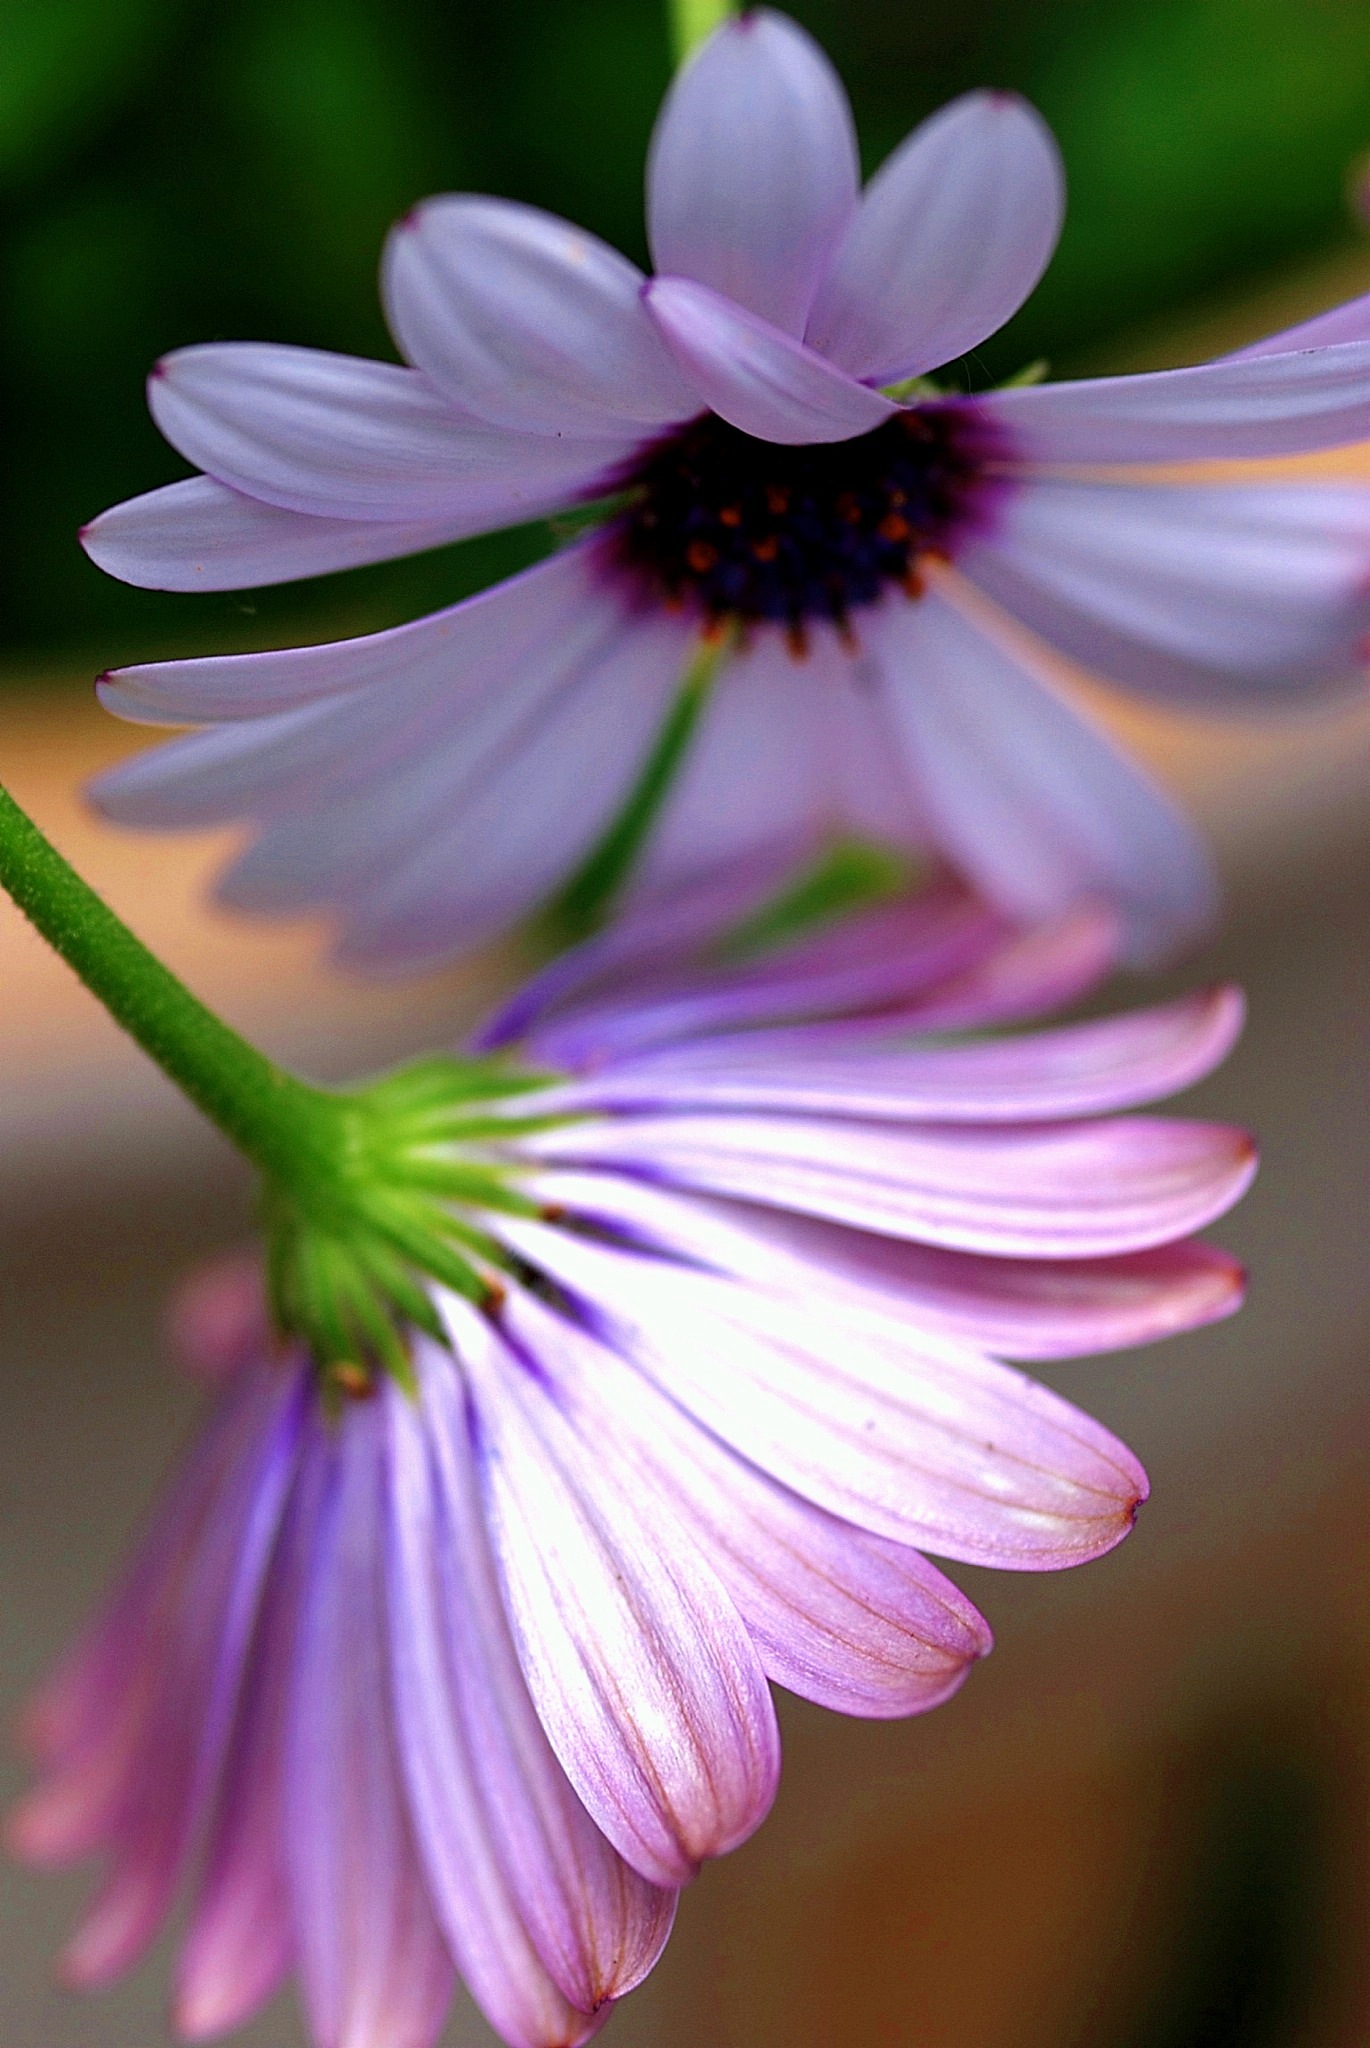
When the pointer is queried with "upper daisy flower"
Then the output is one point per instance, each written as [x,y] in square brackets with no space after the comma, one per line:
[885,565]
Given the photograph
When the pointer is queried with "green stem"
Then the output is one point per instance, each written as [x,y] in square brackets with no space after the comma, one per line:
[288,1129]
[583,903]
[693,20]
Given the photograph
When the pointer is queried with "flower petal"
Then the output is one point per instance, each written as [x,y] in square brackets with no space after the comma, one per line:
[1205,593]
[200,535]
[756,376]
[822,1070]
[838,1615]
[458,654]
[1261,405]
[1033,802]
[1350,322]
[345,438]
[753,174]
[546,1921]
[527,321]
[643,1675]
[1061,1191]
[885,1425]
[951,235]
[1013,1308]
[373,1964]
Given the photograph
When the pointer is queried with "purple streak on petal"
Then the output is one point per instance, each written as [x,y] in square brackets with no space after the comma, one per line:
[1025,1309]
[1031,799]
[457,654]
[752,173]
[1208,594]
[372,1960]
[642,1673]
[951,235]
[902,1432]
[241,1938]
[526,321]
[837,1615]
[546,1921]
[136,1782]
[344,438]
[1350,322]
[824,1070]
[755,375]
[200,535]
[1265,405]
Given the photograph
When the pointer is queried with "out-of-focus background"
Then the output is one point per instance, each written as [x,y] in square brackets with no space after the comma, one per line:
[1146,1821]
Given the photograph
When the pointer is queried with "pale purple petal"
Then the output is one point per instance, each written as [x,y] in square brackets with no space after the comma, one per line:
[1032,800]
[837,1614]
[951,235]
[819,1069]
[546,1921]
[527,321]
[1262,405]
[1013,1308]
[642,1672]
[345,438]
[1350,322]
[752,173]
[373,1964]
[200,535]
[1063,1191]
[756,376]
[1204,593]
[458,653]
[898,1430]
[1047,967]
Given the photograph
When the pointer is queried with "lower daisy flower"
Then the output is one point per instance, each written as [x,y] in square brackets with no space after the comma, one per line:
[893,568]
[463,1665]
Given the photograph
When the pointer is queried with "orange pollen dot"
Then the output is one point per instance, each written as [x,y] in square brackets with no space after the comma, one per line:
[777,499]
[796,639]
[352,1379]
[894,527]
[731,515]
[766,550]
[701,556]
[849,508]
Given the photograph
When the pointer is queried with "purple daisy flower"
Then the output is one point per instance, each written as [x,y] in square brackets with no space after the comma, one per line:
[474,1676]
[890,565]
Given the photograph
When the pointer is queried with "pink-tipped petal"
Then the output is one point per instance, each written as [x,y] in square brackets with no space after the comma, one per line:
[1260,405]
[1210,594]
[1024,1309]
[756,376]
[901,1432]
[373,1964]
[1031,799]
[526,321]
[752,174]
[546,1921]
[641,1670]
[344,438]
[200,535]
[951,235]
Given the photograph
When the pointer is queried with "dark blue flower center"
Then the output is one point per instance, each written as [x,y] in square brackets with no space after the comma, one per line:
[736,529]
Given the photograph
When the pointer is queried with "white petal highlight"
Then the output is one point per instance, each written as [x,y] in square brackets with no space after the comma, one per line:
[752,173]
[754,375]
[951,235]
[527,321]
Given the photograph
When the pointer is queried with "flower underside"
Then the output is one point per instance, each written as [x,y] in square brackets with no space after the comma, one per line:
[742,530]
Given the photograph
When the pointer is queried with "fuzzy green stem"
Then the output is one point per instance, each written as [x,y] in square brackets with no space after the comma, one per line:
[286,1128]
[693,20]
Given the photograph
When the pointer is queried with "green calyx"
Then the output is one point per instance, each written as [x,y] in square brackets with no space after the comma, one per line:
[413,1159]
[369,1194]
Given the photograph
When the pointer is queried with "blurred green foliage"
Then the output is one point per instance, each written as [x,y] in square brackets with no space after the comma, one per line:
[176,170]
